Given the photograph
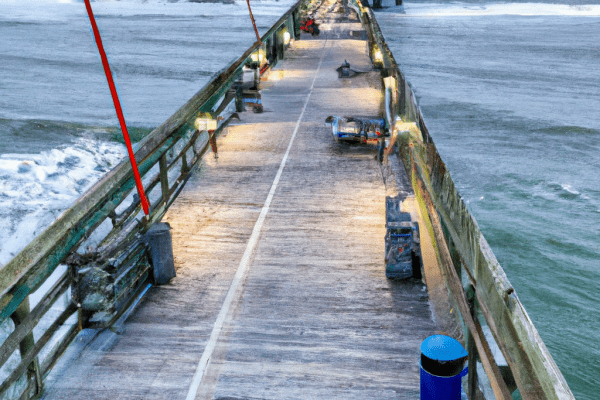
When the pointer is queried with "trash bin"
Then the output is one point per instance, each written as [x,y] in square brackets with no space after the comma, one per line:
[442,361]
[160,245]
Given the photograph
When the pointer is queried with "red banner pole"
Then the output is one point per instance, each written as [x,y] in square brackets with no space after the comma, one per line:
[115,97]
[254,23]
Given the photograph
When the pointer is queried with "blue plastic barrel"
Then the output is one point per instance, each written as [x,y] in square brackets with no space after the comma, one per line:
[442,361]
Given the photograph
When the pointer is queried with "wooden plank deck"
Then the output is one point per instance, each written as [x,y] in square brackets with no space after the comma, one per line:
[314,316]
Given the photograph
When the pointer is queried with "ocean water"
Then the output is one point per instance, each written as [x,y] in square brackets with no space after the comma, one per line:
[58,128]
[510,93]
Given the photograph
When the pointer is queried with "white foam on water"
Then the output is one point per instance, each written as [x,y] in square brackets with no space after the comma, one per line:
[36,188]
[62,10]
[568,188]
[495,9]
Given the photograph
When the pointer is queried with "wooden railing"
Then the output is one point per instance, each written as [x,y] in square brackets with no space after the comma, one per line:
[108,217]
[487,297]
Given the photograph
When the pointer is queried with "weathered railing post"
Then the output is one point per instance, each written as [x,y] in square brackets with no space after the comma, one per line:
[28,343]
[185,168]
[256,68]
[471,347]
[296,25]
[239,98]
[280,44]
[164,178]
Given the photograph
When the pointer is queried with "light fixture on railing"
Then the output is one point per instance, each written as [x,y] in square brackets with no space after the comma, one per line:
[258,56]
[286,38]
[389,82]
[378,56]
[205,123]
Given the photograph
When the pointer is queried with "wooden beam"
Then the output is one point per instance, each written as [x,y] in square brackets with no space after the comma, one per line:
[58,350]
[485,354]
[533,368]
[532,365]
[28,269]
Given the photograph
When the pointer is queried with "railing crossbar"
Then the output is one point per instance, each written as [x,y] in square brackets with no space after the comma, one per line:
[532,367]
[175,142]
[29,357]
[24,328]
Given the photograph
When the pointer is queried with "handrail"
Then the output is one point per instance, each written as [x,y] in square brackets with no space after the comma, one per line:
[166,158]
[536,374]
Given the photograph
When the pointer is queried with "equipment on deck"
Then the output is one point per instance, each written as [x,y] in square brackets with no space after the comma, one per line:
[252,98]
[344,71]
[402,243]
[350,129]
[160,245]
[310,26]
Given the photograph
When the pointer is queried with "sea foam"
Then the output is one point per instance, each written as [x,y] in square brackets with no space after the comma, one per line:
[495,9]
[36,188]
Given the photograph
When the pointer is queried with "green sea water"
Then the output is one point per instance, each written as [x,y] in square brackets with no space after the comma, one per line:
[511,96]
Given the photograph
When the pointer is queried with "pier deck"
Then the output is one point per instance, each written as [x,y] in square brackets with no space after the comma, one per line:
[312,315]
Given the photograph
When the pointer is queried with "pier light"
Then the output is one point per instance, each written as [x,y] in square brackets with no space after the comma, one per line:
[389,82]
[258,56]
[378,55]
[286,37]
[410,128]
[205,123]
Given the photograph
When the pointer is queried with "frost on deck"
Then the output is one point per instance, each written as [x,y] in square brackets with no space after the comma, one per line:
[315,316]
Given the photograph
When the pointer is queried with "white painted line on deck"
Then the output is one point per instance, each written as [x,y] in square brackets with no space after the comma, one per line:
[244,263]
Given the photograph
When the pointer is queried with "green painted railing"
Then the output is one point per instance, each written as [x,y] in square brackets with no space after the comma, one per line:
[109,215]
[478,287]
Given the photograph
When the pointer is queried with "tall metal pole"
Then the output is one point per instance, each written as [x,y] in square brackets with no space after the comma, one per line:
[115,97]
[254,23]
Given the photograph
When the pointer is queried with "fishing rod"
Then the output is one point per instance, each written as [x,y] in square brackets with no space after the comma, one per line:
[117,103]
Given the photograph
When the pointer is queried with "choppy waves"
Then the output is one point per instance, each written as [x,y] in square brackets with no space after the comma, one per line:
[36,188]
[410,9]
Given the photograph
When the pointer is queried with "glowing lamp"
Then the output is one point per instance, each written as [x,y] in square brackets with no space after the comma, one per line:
[205,124]
[378,56]
[286,38]
[389,82]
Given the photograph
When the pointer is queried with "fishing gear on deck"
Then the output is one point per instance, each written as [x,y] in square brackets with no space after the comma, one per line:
[361,130]
[310,26]
[254,23]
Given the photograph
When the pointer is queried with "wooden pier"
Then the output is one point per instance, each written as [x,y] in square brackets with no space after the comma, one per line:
[280,290]
[301,220]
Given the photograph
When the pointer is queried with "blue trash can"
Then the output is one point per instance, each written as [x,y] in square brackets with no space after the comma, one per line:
[442,361]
